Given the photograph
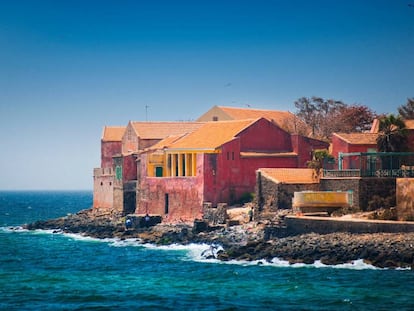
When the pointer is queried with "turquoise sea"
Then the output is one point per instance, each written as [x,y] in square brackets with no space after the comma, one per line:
[42,270]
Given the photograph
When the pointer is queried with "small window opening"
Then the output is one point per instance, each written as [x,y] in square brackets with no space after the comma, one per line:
[166,203]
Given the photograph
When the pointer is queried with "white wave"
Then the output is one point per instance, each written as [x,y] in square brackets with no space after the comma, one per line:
[13,229]
[123,243]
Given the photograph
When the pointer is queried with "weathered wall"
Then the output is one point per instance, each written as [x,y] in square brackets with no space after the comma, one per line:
[129,197]
[129,168]
[304,147]
[215,215]
[364,189]
[175,198]
[130,139]
[118,204]
[325,225]
[108,150]
[103,180]
[405,199]
[271,196]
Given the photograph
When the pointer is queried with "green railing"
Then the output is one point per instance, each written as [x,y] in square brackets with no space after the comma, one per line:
[370,164]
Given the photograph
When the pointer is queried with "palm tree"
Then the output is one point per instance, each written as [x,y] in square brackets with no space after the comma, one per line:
[392,134]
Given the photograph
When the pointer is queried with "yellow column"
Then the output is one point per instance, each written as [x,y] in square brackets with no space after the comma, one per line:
[180,164]
[194,164]
[173,164]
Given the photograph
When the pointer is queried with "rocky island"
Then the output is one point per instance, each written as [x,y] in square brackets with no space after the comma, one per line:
[249,241]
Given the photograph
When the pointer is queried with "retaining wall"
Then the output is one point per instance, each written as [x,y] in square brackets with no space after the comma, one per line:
[323,225]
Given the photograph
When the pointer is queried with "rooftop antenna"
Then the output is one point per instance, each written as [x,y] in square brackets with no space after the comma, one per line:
[146,112]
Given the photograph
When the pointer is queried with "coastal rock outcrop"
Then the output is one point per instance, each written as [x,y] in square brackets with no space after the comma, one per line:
[247,242]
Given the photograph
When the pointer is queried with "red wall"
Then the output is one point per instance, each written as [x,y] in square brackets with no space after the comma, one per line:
[108,150]
[129,168]
[338,145]
[227,178]
[304,147]
[265,136]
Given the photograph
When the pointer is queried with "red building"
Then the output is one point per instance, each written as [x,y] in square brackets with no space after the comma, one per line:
[115,180]
[103,177]
[216,163]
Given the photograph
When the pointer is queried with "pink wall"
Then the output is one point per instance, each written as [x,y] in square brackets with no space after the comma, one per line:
[185,195]
[108,150]
[103,191]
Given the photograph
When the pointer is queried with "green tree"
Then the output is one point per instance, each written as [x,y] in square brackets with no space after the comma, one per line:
[392,134]
[407,111]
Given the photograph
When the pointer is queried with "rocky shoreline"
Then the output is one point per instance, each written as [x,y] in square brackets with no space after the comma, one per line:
[247,242]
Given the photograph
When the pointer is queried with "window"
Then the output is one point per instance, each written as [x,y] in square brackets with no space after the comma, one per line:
[118,172]
[167,203]
[215,118]
[158,171]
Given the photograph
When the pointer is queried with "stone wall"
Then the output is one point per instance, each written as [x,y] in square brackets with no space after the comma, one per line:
[271,196]
[215,215]
[324,225]
[364,189]
[405,199]
[129,197]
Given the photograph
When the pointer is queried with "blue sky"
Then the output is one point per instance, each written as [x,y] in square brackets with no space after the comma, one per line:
[67,68]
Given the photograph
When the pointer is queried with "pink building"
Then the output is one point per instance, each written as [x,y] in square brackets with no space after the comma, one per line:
[216,163]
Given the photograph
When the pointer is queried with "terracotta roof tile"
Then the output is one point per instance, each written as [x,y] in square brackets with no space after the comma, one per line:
[212,134]
[113,133]
[284,119]
[409,124]
[291,175]
[160,130]
[166,142]
[359,138]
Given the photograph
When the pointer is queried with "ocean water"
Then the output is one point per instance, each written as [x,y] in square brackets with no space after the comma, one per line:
[42,270]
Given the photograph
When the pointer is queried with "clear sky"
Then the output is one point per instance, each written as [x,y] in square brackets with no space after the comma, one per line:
[67,68]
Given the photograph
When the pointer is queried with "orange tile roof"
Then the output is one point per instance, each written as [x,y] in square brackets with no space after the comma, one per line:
[166,142]
[283,119]
[358,138]
[409,124]
[113,133]
[160,130]
[291,175]
[212,134]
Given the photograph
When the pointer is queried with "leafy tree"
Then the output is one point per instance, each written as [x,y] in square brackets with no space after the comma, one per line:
[317,113]
[328,116]
[407,111]
[392,134]
[355,118]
